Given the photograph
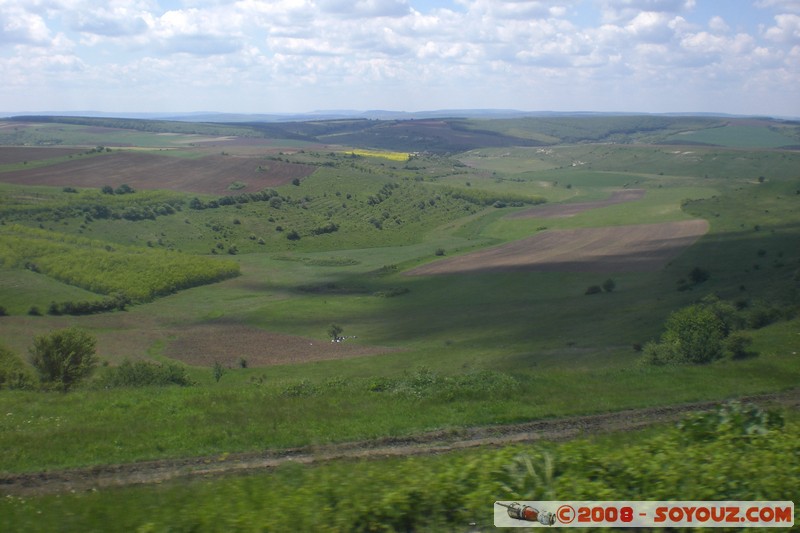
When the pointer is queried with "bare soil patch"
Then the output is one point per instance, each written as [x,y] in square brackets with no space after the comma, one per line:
[20,154]
[637,248]
[203,344]
[143,170]
[560,429]
[569,210]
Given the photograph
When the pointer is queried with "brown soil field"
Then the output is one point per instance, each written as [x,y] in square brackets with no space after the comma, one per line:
[131,334]
[441,441]
[19,154]
[637,248]
[568,210]
[203,344]
[211,174]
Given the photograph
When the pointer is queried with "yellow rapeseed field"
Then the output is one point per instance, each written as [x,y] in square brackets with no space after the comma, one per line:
[393,156]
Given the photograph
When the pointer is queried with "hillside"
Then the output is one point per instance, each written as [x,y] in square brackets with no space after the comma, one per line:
[262,287]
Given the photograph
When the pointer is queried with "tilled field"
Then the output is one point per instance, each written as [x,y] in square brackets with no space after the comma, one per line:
[637,248]
[205,344]
[568,210]
[212,174]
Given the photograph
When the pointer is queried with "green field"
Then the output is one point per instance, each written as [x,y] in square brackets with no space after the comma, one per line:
[250,283]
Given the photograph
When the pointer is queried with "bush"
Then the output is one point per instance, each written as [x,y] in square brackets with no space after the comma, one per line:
[594,289]
[736,344]
[146,373]
[303,388]
[14,374]
[696,333]
[64,357]
[699,275]
[218,370]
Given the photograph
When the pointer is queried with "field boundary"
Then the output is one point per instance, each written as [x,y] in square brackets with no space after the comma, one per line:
[557,429]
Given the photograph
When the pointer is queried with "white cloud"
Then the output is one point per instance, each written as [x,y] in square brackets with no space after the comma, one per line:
[786,29]
[20,26]
[792,6]
[480,51]
[718,25]
[365,8]
[622,10]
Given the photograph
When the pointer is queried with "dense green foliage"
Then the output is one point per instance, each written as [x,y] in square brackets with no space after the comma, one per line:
[708,330]
[135,273]
[64,357]
[14,374]
[448,492]
[145,373]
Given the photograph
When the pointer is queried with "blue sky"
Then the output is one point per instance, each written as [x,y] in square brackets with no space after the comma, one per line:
[285,56]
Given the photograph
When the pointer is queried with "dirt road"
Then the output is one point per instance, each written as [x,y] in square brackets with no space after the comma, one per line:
[90,478]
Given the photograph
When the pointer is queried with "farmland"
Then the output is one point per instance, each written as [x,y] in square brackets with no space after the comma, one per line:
[455,255]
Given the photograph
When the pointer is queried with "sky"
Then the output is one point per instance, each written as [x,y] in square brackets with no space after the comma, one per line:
[294,56]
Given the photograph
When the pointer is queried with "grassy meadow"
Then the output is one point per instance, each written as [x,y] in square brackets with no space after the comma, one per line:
[426,353]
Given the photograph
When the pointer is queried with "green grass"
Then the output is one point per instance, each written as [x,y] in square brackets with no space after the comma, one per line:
[570,353]
[442,492]
[249,408]
[737,137]
[22,289]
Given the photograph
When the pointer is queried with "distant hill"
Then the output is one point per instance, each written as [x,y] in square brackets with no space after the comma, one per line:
[452,131]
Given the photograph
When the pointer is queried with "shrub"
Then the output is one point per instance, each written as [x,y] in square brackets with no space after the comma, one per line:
[593,289]
[696,333]
[656,353]
[699,275]
[609,285]
[732,419]
[218,370]
[146,373]
[736,344]
[303,388]
[64,357]
[14,374]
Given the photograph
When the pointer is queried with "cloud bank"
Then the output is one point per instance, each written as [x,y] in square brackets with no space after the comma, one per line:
[301,55]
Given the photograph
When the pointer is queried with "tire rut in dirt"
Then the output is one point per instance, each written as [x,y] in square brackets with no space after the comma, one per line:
[557,429]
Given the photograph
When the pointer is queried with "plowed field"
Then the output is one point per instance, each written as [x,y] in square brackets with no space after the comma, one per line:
[568,210]
[10,155]
[211,174]
[638,248]
[228,343]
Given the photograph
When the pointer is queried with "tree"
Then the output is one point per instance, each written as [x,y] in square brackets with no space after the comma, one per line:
[335,332]
[64,357]
[609,285]
[693,334]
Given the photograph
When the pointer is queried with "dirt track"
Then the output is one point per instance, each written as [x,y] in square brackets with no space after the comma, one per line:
[86,479]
